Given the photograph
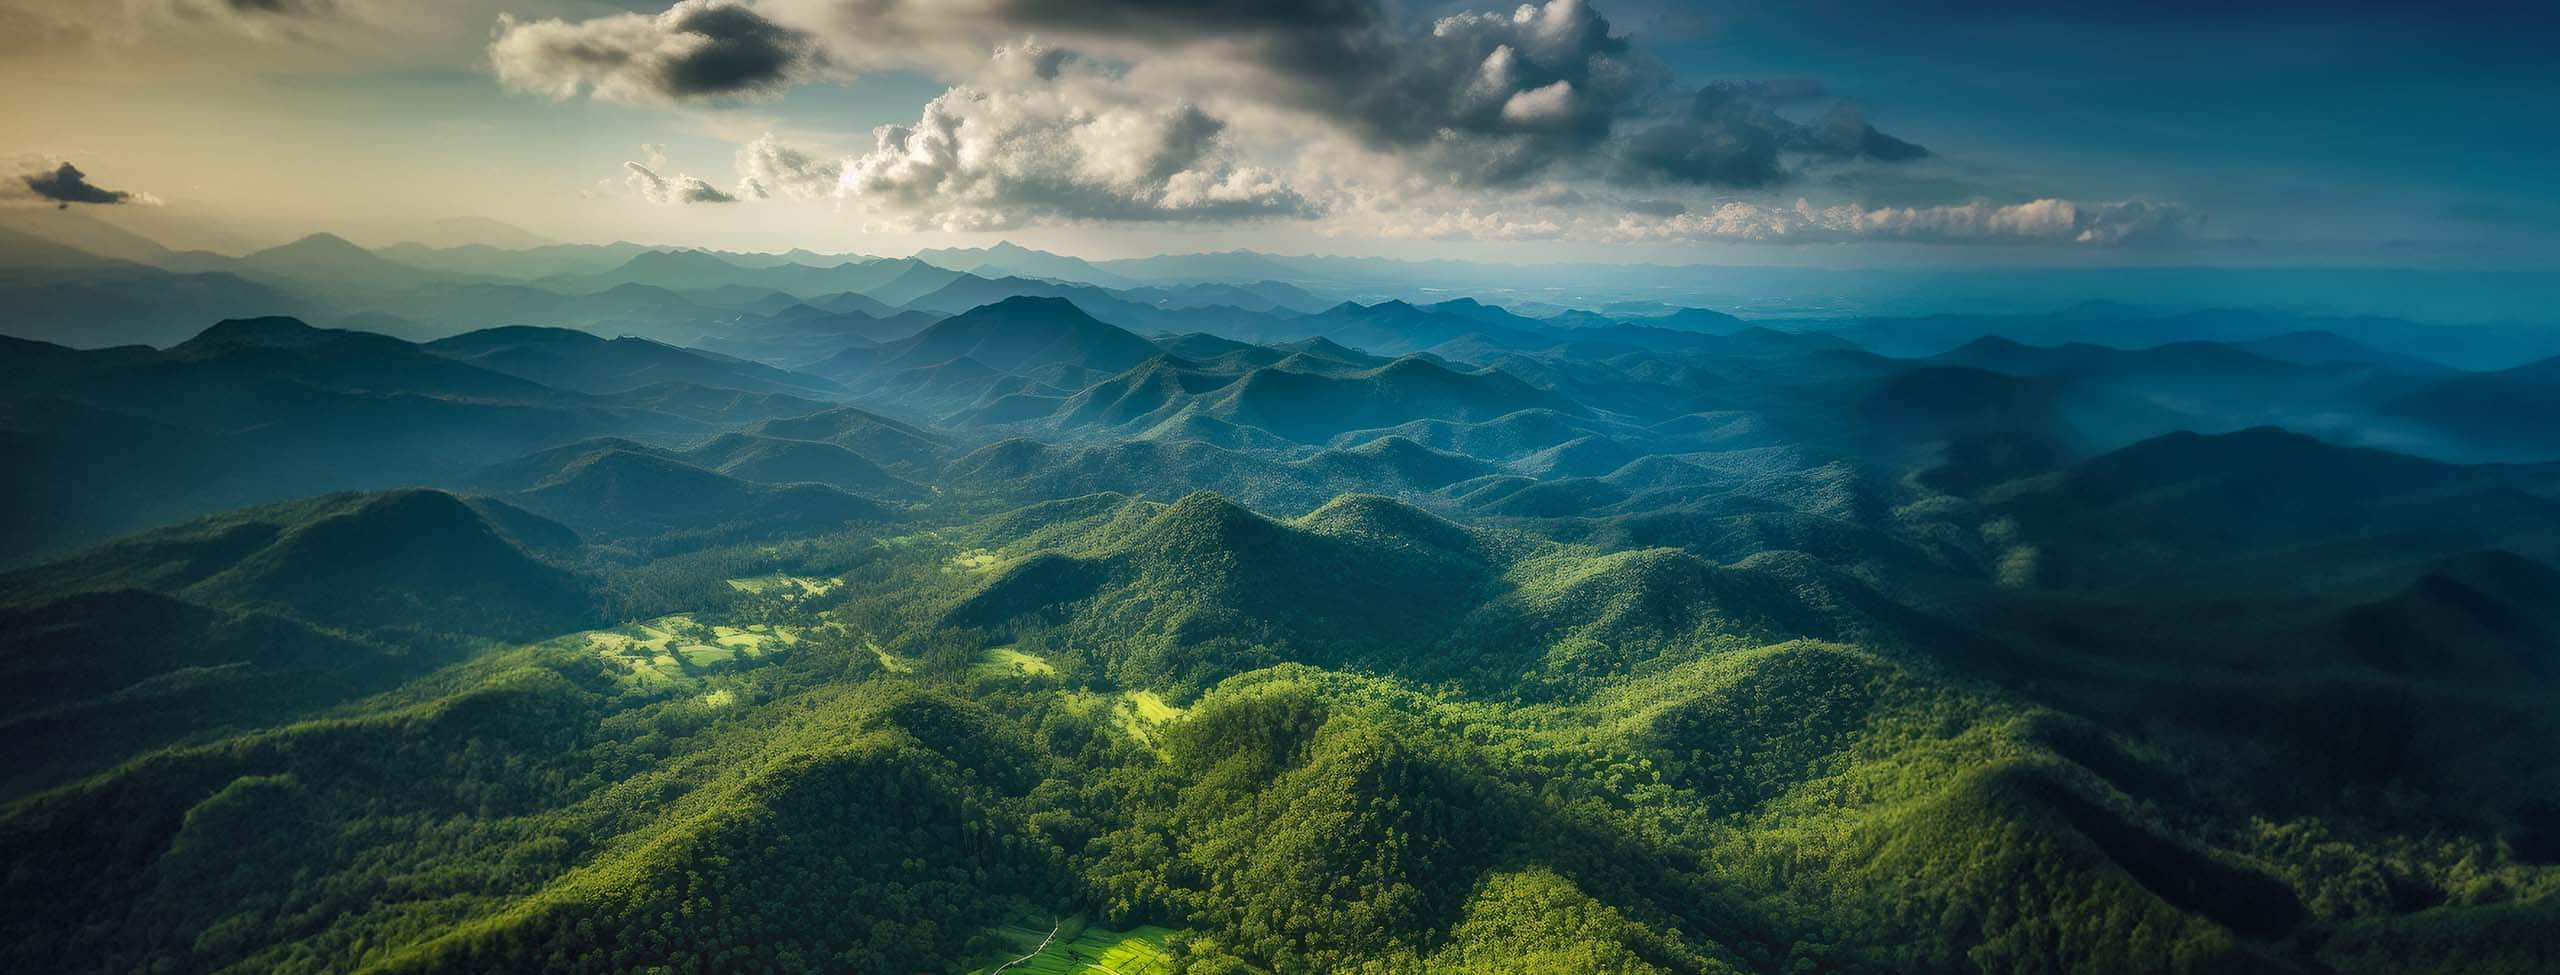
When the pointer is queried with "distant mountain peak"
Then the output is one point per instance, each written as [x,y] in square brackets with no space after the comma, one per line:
[515,335]
[1033,304]
[323,246]
[278,330]
[687,258]
[635,289]
[1994,342]
[326,239]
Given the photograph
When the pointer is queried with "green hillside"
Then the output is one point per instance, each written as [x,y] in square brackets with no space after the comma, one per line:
[1035,645]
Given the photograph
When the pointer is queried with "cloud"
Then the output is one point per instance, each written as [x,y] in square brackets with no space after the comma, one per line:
[672,189]
[63,185]
[697,49]
[1468,223]
[2043,221]
[768,169]
[1733,134]
[195,27]
[1496,98]
[283,8]
[1038,138]
[957,33]
[1483,98]
[1228,110]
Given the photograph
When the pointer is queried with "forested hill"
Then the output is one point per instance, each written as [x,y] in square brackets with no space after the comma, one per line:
[753,613]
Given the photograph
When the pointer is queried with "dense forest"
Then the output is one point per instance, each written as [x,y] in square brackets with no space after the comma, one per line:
[944,635]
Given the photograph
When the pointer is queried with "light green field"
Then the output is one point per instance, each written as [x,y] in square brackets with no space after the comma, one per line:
[975,560]
[1010,662]
[1143,715]
[889,661]
[757,639]
[786,584]
[705,656]
[1138,951]
[658,651]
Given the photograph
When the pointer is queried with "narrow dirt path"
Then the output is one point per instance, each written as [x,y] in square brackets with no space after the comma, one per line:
[1035,952]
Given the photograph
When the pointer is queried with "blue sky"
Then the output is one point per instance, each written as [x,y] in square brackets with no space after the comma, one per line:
[2164,133]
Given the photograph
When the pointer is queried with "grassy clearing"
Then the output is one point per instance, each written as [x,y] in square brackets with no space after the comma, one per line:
[1152,709]
[1143,715]
[699,655]
[786,584]
[975,560]
[757,639]
[662,650]
[1011,662]
[1091,951]
[889,661]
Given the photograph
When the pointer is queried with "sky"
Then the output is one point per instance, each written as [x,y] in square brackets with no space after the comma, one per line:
[1820,132]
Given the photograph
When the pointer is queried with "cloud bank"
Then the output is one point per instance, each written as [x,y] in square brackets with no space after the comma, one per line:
[1476,124]
[1039,137]
[2107,224]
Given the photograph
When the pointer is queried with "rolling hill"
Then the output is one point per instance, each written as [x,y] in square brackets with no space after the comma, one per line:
[1011,335]
[569,359]
[1174,628]
[614,493]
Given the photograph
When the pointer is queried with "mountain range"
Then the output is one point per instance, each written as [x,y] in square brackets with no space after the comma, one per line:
[612,608]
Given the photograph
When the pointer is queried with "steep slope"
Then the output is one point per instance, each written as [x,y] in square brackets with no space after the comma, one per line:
[2262,493]
[571,359]
[1142,396]
[773,460]
[1037,350]
[904,280]
[802,334]
[2484,414]
[1402,328]
[1019,333]
[1205,587]
[1190,585]
[328,263]
[101,306]
[255,410]
[465,566]
[1314,408]
[102,676]
[893,445]
[642,497]
[2483,618]
[1008,258]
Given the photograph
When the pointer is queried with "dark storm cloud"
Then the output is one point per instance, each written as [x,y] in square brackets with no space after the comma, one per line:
[66,184]
[1501,96]
[278,7]
[1491,97]
[1497,97]
[742,52]
[1177,20]
[1733,134]
[695,49]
